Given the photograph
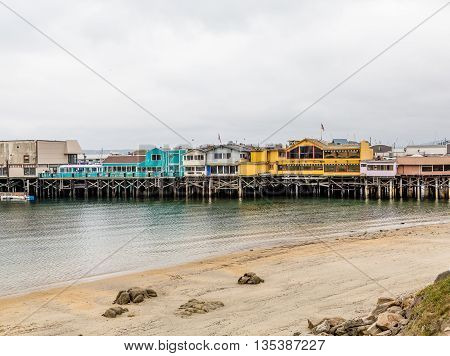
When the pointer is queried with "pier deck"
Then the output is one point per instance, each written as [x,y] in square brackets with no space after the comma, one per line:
[418,187]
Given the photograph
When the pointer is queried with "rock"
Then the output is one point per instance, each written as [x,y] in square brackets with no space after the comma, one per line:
[385,333]
[323,327]
[389,320]
[135,295]
[135,291]
[194,306]
[119,310]
[381,308]
[250,278]
[122,298]
[150,292]
[109,313]
[298,333]
[383,300]
[442,276]
[310,325]
[138,299]
[408,302]
[396,309]
[114,311]
[373,330]
[368,320]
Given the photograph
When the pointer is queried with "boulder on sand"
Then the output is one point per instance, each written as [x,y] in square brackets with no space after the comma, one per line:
[250,278]
[122,298]
[135,295]
[194,306]
[114,311]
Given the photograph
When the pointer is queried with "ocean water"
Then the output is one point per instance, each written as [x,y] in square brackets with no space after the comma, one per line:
[48,243]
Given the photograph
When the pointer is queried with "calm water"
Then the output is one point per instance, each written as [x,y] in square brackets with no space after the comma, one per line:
[52,242]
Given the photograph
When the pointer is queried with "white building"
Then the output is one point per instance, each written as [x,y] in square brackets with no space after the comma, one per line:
[378,168]
[224,159]
[428,150]
[194,162]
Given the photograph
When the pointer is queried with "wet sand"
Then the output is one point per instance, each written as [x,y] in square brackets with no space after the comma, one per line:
[343,277]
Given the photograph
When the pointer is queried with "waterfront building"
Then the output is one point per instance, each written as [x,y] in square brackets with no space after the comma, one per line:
[194,162]
[224,160]
[379,168]
[428,150]
[381,151]
[424,166]
[29,158]
[165,162]
[124,166]
[310,157]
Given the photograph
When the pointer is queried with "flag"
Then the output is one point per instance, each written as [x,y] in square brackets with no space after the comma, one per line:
[322,128]
[218,136]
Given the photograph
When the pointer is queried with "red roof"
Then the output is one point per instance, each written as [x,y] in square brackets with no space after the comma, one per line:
[418,161]
[119,159]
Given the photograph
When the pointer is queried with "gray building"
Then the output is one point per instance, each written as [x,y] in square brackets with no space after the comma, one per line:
[29,158]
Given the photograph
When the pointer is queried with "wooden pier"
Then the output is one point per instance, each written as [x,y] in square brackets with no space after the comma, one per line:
[411,187]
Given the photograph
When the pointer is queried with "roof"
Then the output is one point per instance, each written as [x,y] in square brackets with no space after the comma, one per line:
[417,161]
[124,159]
[381,148]
[326,145]
[72,147]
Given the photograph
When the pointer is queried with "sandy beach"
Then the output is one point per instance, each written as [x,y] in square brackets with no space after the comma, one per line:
[343,277]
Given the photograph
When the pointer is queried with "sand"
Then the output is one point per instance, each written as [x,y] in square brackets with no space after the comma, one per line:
[342,278]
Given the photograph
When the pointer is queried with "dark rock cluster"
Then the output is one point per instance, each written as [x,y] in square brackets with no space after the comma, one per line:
[134,295]
[250,278]
[114,311]
[194,306]
[389,317]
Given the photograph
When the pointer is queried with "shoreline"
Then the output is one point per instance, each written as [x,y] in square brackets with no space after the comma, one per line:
[351,235]
[422,251]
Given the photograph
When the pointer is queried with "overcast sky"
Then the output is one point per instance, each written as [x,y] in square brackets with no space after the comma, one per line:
[239,68]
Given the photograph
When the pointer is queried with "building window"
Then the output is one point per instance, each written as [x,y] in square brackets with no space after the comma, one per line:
[306,152]
[3,171]
[26,158]
[29,171]
[438,168]
[318,153]
[156,157]
[447,167]
[222,155]
[72,159]
[293,154]
[427,168]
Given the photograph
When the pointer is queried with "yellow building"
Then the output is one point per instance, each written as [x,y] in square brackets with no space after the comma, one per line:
[309,157]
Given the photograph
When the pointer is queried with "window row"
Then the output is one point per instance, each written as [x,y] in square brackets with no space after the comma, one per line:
[301,167]
[194,169]
[342,168]
[380,167]
[436,168]
[194,158]
[226,155]
[224,169]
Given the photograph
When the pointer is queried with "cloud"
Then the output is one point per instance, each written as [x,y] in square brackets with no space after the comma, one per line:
[241,68]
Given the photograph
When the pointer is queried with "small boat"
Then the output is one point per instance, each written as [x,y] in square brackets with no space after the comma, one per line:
[16,197]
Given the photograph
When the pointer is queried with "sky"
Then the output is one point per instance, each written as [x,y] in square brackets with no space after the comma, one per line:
[237,68]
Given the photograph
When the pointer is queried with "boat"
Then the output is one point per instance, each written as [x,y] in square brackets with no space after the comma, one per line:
[10,196]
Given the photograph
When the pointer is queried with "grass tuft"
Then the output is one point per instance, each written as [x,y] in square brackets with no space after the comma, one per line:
[430,315]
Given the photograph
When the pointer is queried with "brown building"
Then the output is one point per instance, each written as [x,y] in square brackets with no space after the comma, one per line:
[28,158]
[423,166]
